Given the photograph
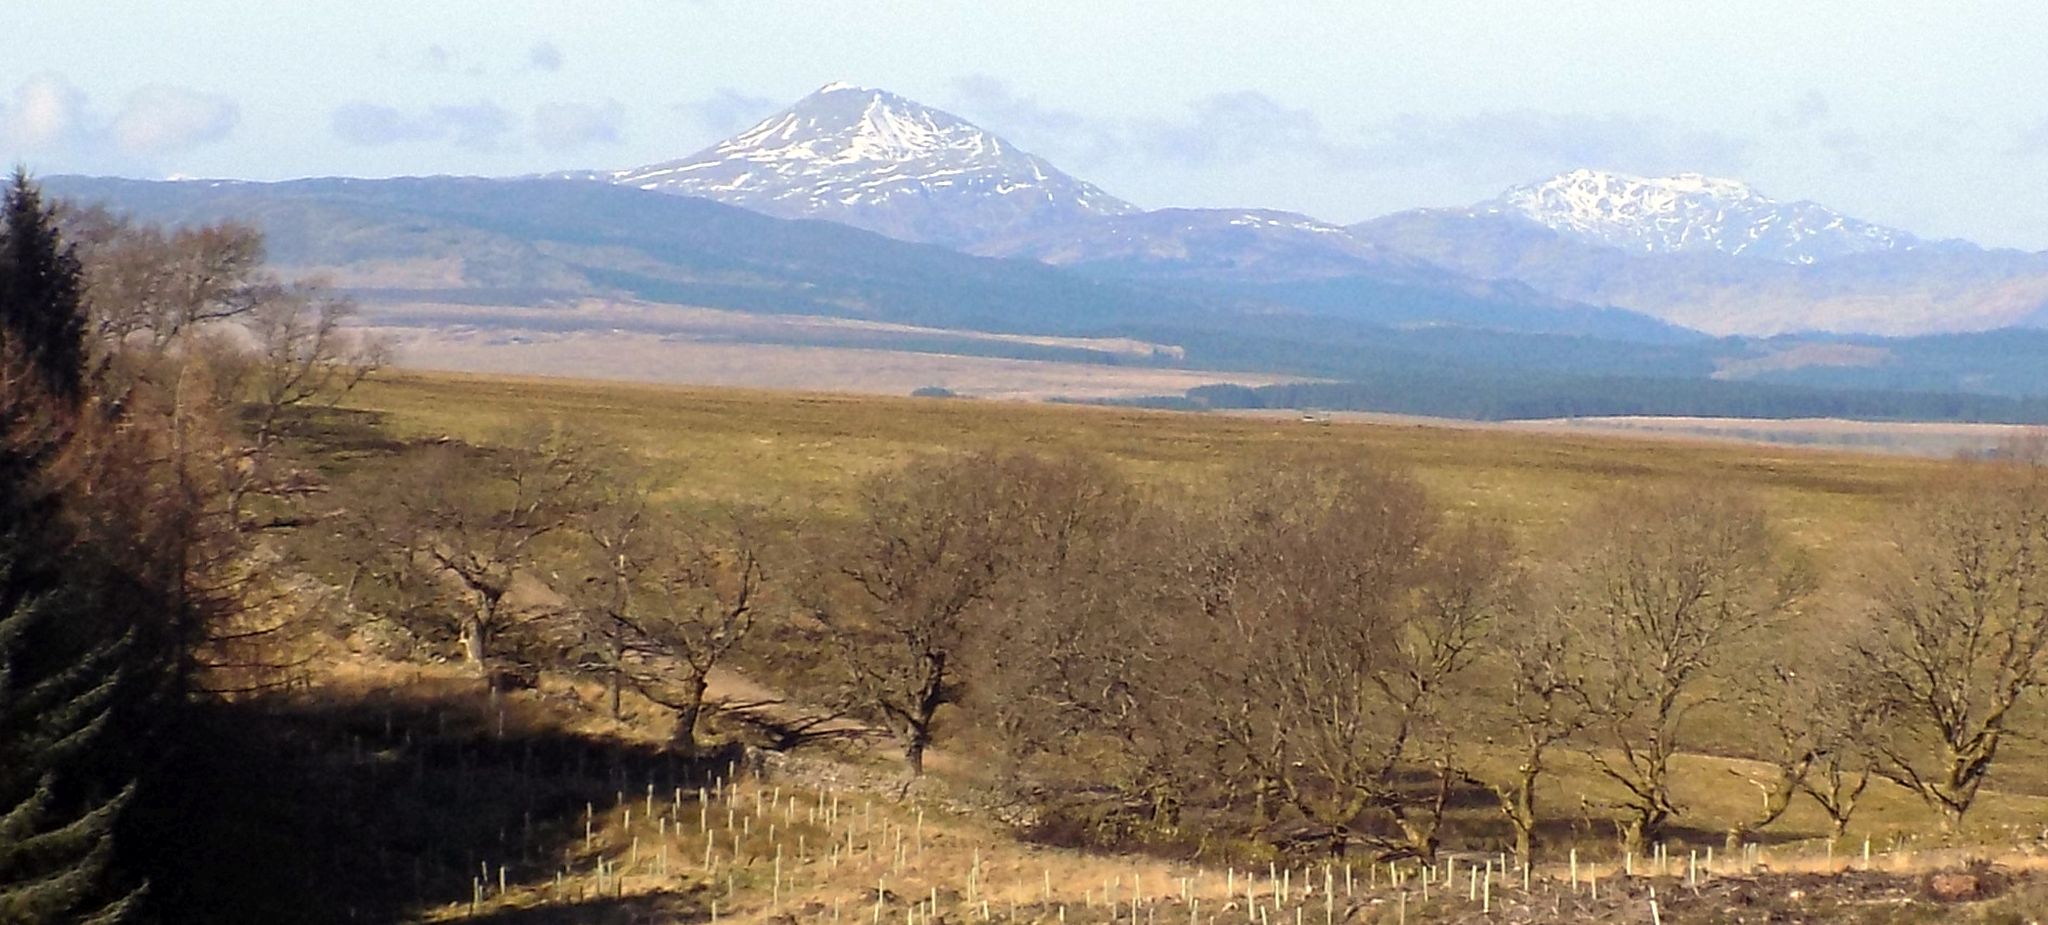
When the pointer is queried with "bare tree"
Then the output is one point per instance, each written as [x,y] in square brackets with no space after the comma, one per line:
[902,597]
[1809,717]
[1843,767]
[1960,632]
[1666,584]
[1534,704]
[1081,682]
[302,352]
[660,599]
[453,531]
[147,286]
[196,356]
[1336,618]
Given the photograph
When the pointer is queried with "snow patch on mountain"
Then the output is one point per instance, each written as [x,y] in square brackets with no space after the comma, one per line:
[869,158]
[1691,213]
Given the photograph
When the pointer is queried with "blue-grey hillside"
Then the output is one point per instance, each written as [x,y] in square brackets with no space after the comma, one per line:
[1720,257]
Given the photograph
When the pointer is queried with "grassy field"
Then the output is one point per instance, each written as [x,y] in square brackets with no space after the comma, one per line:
[714,359]
[803,454]
[807,451]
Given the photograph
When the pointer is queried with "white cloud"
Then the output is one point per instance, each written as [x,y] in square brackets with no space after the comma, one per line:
[49,121]
[1530,143]
[1851,148]
[160,118]
[1237,126]
[45,112]
[1061,134]
[1809,110]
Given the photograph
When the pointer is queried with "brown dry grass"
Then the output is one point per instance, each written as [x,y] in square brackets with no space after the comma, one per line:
[807,451]
[650,357]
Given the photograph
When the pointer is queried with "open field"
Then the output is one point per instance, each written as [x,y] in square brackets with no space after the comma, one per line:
[685,359]
[1934,439]
[804,453]
[727,325]
[808,450]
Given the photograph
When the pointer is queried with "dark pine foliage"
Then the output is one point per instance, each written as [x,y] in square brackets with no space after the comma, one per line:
[63,647]
[41,318]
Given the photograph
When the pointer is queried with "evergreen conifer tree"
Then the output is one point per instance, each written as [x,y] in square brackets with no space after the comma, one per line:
[61,655]
[42,322]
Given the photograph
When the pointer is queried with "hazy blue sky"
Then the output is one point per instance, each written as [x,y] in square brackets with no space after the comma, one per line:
[1928,115]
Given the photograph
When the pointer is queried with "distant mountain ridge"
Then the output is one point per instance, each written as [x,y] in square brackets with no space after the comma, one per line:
[874,160]
[1708,253]
[1868,282]
[859,204]
[1234,244]
[506,258]
[1690,213]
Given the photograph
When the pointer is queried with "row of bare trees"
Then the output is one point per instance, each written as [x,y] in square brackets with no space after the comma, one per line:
[1319,648]
[553,555]
[1325,645]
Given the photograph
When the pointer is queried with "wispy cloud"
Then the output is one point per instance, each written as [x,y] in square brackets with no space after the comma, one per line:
[1529,142]
[544,56]
[1247,126]
[567,126]
[1810,109]
[1851,148]
[726,110]
[478,126]
[1239,126]
[1068,135]
[2031,140]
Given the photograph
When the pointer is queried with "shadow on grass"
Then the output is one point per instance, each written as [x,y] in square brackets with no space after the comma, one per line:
[368,808]
[629,910]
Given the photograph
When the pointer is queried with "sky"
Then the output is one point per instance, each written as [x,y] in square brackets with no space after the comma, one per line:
[1928,116]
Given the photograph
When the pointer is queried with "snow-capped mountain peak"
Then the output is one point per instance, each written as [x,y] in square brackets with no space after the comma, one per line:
[1690,213]
[869,158]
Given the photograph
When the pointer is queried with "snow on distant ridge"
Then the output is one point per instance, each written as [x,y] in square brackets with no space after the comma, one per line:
[1691,213]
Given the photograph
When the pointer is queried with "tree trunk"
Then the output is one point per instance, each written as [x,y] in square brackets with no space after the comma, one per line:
[1522,812]
[691,711]
[1952,818]
[617,679]
[1635,835]
[913,751]
[1778,796]
[475,645]
[1420,839]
